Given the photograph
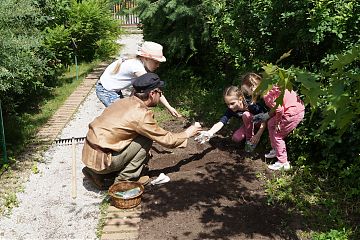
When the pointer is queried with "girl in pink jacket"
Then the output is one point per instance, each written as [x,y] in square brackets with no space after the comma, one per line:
[280,121]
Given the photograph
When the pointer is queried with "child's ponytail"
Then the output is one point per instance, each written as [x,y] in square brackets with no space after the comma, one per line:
[117,66]
[249,81]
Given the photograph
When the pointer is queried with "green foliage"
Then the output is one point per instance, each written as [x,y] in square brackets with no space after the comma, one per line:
[187,40]
[102,216]
[254,31]
[54,12]
[85,28]
[332,19]
[35,47]
[319,201]
[90,22]
[335,106]
[22,65]
[325,146]
[195,103]
[57,41]
[333,234]
[34,168]
[342,91]
[11,200]
[176,16]
[232,36]
[106,48]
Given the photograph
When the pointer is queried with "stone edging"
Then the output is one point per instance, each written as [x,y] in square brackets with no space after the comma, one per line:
[62,116]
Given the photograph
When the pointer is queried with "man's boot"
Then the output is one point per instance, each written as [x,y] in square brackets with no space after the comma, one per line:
[100,181]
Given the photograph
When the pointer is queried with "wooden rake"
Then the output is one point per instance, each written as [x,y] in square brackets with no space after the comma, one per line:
[72,141]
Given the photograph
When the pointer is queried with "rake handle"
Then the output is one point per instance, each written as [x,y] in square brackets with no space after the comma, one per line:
[73,189]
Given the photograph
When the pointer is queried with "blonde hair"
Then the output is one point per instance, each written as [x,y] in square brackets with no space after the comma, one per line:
[250,80]
[120,61]
[117,66]
[233,91]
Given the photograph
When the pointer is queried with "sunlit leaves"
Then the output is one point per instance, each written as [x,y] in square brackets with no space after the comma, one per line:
[310,87]
[338,96]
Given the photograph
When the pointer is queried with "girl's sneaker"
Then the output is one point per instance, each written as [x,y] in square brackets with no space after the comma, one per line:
[279,165]
[271,154]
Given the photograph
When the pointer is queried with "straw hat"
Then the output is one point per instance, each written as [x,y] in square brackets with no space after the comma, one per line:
[151,50]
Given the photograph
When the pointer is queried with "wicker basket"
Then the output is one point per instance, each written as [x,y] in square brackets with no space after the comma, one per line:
[119,202]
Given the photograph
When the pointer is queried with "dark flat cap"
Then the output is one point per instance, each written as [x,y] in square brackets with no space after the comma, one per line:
[147,82]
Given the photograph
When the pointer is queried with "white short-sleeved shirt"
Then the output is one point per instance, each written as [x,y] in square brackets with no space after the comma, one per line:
[122,79]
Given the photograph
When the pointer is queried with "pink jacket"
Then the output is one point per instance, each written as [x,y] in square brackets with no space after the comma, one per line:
[291,106]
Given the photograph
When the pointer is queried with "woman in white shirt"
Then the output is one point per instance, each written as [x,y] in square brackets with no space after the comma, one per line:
[119,74]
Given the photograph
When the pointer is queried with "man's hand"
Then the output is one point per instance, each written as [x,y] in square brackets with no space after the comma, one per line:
[203,137]
[261,117]
[193,129]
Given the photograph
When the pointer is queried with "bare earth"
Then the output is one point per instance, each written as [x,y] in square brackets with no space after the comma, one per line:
[214,193]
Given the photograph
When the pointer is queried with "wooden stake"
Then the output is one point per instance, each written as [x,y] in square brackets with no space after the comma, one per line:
[73,192]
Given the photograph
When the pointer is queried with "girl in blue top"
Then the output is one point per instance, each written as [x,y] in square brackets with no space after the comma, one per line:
[241,108]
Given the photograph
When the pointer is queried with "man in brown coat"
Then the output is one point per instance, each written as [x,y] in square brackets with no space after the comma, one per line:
[118,141]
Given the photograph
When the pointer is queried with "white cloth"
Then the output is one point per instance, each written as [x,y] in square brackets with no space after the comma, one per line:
[162,178]
[122,79]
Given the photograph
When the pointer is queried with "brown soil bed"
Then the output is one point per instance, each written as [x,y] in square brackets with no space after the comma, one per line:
[214,193]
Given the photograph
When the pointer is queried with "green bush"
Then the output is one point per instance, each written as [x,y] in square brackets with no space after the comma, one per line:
[92,26]
[332,235]
[85,28]
[22,62]
[57,40]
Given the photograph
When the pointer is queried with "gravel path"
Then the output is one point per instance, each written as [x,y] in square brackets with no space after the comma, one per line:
[46,209]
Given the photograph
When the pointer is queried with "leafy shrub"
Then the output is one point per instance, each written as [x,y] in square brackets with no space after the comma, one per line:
[21,58]
[82,28]
[105,48]
[91,26]
[332,235]
[57,40]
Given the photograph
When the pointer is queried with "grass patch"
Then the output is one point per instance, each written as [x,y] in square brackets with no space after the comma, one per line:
[20,129]
[68,84]
[161,114]
[319,200]
[103,213]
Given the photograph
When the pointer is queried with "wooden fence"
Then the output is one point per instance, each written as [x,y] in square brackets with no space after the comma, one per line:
[122,11]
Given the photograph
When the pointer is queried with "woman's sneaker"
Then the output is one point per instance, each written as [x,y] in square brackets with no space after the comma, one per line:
[279,165]
[271,154]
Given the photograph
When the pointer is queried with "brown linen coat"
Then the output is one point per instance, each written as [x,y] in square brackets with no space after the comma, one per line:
[118,125]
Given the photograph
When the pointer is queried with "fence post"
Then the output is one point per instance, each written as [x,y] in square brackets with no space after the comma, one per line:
[2,138]
[120,11]
[76,63]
